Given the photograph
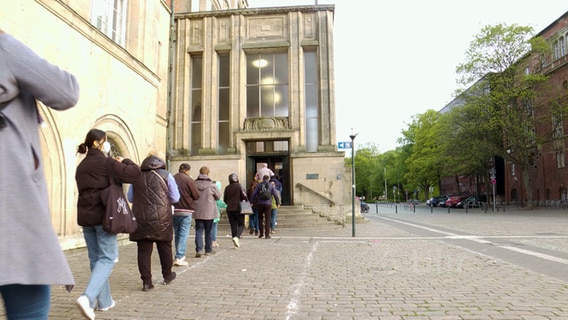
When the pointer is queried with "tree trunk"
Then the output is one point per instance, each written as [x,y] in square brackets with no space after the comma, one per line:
[528,186]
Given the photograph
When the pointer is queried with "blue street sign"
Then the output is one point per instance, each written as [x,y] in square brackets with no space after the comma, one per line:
[344,145]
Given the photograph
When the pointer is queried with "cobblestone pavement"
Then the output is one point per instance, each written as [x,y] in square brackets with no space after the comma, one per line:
[408,264]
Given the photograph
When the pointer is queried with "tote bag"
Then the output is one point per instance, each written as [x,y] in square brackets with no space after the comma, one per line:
[245,207]
[118,217]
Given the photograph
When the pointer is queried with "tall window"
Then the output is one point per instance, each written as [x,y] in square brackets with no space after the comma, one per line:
[196,92]
[224,103]
[560,163]
[562,46]
[557,127]
[267,85]
[109,16]
[312,101]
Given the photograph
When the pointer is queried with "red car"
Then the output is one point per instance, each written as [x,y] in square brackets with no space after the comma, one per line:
[453,201]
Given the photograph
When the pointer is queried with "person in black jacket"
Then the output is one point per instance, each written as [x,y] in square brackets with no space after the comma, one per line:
[152,197]
[235,193]
[92,176]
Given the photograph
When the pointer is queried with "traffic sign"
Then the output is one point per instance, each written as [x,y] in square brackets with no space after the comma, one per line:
[344,145]
[493,181]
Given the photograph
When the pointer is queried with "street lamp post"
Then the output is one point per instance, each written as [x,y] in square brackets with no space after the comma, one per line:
[353,183]
[386,190]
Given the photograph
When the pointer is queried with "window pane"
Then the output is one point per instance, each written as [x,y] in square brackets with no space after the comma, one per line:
[311,135]
[281,68]
[267,72]
[311,102]
[267,101]
[224,135]
[252,69]
[224,70]
[197,71]
[281,101]
[311,67]
[224,104]
[195,138]
[253,105]
[196,106]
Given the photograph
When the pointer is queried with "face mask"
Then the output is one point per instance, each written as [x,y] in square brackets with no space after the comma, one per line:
[106,147]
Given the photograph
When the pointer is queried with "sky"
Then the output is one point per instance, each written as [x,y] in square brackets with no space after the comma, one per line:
[396,59]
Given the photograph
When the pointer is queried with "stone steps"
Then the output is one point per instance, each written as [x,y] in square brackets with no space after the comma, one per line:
[293,217]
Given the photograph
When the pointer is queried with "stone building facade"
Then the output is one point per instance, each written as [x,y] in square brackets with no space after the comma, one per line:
[256,86]
[122,67]
[144,95]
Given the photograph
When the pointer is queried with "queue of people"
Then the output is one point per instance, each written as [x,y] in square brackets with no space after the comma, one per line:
[163,204]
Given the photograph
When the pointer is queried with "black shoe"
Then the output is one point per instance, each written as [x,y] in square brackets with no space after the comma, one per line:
[256,233]
[268,237]
[170,278]
[261,236]
[147,287]
[251,231]
[198,254]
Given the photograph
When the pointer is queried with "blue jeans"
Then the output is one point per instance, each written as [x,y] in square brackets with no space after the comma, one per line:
[29,302]
[103,255]
[200,227]
[182,224]
[273,219]
[253,220]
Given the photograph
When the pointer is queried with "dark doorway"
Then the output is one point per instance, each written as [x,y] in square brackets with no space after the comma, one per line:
[279,165]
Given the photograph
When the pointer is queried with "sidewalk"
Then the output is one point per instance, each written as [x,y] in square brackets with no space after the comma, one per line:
[384,272]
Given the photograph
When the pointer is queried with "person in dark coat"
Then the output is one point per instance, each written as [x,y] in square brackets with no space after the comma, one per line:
[183,211]
[92,177]
[152,197]
[235,193]
[264,207]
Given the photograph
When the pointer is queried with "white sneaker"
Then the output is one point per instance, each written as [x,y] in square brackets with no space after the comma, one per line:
[236,242]
[107,308]
[180,262]
[215,244]
[85,307]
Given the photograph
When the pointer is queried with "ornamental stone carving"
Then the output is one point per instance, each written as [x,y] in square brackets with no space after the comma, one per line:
[266,124]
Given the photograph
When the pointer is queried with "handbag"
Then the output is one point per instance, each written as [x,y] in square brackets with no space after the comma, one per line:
[245,207]
[118,217]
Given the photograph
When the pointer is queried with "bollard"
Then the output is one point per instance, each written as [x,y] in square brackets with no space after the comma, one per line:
[396,209]
[465,206]
[431,209]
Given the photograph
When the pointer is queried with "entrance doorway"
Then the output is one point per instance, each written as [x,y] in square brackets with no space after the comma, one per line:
[277,160]
[279,165]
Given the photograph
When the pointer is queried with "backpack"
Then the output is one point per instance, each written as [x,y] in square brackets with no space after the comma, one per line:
[265,193]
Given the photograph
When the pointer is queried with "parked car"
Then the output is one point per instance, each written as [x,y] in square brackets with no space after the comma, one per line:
[364,207]
[472,202]
[437,201]
[453,201]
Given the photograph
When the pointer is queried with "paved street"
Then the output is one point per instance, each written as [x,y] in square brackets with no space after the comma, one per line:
[404,265]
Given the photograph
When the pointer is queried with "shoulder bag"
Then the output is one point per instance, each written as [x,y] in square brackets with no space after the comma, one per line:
[245,207]
[118,217]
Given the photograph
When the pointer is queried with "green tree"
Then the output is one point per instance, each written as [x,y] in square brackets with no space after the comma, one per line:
[423,164]
[500,56]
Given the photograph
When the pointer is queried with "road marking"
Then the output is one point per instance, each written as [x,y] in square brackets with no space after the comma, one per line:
[480,239]
[294,304]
